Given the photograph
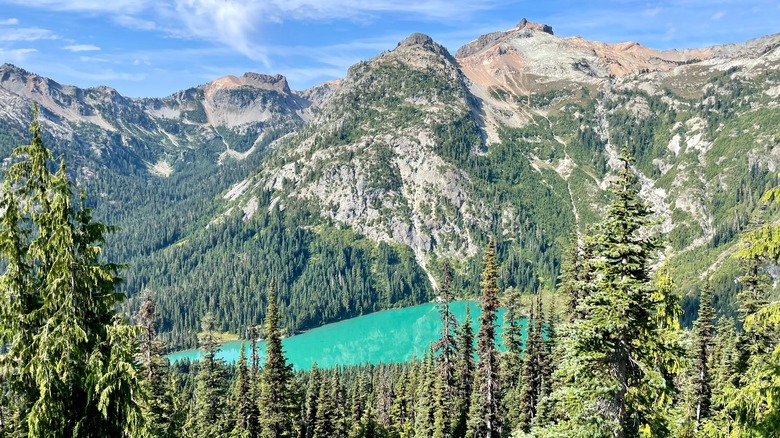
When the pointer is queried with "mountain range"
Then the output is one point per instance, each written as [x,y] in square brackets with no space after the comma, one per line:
[349,195]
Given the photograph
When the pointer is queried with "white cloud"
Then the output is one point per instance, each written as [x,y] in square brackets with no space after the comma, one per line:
[652,12]
[135,23]
[15,55]
[718,15]
[230,22]
[9,22]
[82,48]
[110,6]
[27,34]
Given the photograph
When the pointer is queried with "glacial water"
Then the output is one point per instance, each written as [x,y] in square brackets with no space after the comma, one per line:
[397,335]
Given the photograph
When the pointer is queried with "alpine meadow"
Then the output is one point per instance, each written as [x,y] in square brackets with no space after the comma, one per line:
[607,213]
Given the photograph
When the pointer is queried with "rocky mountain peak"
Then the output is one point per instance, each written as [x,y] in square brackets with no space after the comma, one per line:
[525,24]
[276,81]
[416,39]
[524,29]
[421,41]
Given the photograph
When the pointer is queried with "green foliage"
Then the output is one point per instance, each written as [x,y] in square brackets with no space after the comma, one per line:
[277,393]
[615,377]
[484,415]
[69,361]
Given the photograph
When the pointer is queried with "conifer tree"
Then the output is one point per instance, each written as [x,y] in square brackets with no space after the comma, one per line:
[310,402]
[512,359]
[424,408]
[534,368]
[243,407]
[159,409]
[69,363]
[464,376]
[571,270]
[330,411]
[277,401]
[754,401]
[210,385]
[703,343]
[484,416]
[445,347]
[613,381]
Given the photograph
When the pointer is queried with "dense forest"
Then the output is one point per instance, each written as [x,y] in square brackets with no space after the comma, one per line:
[614,363]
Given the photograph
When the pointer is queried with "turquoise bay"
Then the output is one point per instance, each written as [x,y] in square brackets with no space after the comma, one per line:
[397,335]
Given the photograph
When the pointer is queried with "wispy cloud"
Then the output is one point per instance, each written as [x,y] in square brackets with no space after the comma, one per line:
[15,55]
[135,23]
[112,6]
[27,34]
[82,48]
[718,15]
[652,12]
[9,22]
[104,75]
[232,23]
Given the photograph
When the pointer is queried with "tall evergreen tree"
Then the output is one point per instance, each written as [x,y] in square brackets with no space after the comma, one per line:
[424,398]
[703,332]
[464,376]
[613,381]
[535,365]
[243,407]
[484,416]
[69,363]
[310,406]
[512,358]
[445,347]
[277,401]
[753,401]
[210,395]
[159,409]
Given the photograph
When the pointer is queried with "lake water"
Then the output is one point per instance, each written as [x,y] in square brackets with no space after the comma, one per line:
[397,335]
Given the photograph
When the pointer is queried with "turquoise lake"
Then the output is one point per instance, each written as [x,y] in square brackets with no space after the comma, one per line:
[397,335]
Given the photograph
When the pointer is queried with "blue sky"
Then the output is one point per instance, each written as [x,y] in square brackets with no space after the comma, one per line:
[156,47]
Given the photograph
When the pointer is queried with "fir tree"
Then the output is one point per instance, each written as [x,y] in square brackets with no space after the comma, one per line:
[310,402]
[613,383]
[703,338]
[242,406]
[69,363]
[484,416]
[159,410]
[424,395]
[512,358]
[445,347]
[464,376]
[534,364]
[277,401]
[210,385]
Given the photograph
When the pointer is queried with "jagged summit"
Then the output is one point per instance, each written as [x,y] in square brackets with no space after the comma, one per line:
[525,24]
[416,39]
[524,29]
[275,82]
[421,41]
